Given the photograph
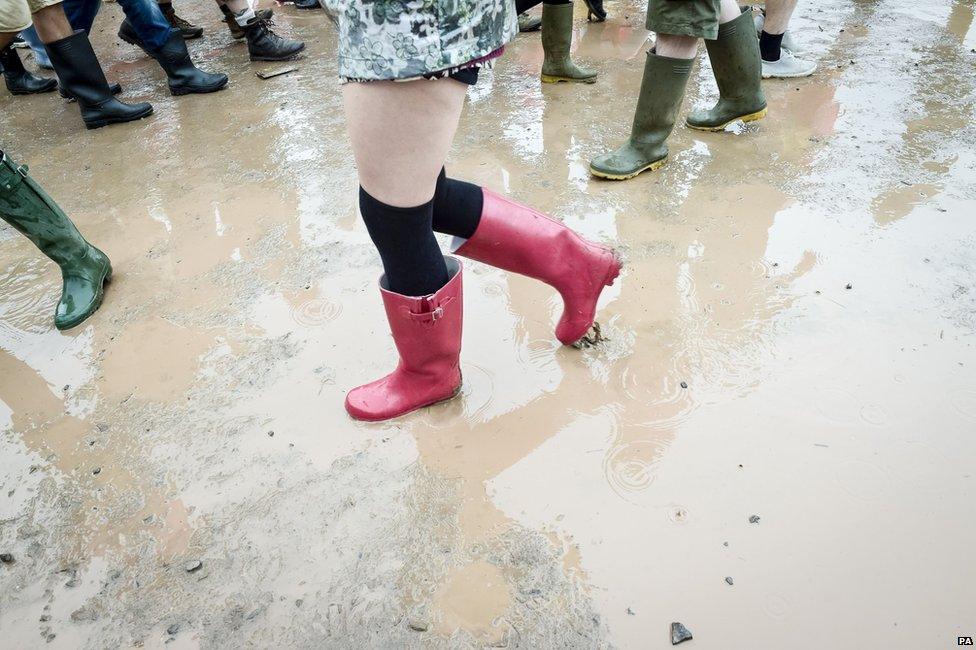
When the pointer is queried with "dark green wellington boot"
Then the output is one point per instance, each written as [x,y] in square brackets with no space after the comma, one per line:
[738,71]
[661,92]
[557,37]
[84,268]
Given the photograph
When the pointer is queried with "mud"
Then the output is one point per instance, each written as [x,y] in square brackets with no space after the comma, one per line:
[569,497]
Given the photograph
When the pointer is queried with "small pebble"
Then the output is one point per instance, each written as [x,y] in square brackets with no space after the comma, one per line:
[6,558]
[97,471]
[173,629]
[849,286]
[684,384]
[728,579]
[754,519]
[679,633]
[271,434]
[418,626]
[193,565]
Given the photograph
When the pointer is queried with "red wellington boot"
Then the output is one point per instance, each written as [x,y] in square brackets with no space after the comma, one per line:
[519,239]
[427,334]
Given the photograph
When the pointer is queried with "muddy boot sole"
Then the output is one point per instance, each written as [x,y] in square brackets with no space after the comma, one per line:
[294,55]
[97,124]
[555,79]
[178,92]
[750,117]
[657,164]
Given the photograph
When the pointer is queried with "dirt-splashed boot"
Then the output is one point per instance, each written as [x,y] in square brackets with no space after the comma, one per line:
[519,239]
[661,92]
[427,334]
[737,66]
[264,45]
[19,81]
[188,30]
[236,31]
[557,38]
[84,268]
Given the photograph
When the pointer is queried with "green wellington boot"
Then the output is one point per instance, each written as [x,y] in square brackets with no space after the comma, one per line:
[738,71]
[557,36]
[84,268]
[661,92]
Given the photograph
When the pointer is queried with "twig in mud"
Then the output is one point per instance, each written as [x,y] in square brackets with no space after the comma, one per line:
[589,341]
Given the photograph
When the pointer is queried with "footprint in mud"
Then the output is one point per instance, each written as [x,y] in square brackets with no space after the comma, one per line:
[315,312]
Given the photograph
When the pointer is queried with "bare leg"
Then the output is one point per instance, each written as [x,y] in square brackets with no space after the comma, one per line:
[676,47]
[400,134]
[51,24]
[778,13]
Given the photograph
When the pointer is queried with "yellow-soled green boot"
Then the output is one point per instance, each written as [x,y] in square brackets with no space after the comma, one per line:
[661,92]
[84,268]
[738,72]
[557,37]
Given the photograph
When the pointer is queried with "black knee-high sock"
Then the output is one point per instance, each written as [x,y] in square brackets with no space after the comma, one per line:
[521,6]
[457,207]
[412,259]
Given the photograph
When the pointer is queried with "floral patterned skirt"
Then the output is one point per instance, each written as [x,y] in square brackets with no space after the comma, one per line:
[409,39]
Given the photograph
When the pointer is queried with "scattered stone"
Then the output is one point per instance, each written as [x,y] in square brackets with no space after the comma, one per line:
[684,384]
[6,558]
[45,618]
[754,519]
[679,633]
[173,629]
[271,434]
[193,565]
[417,625]
[725,543]
[97,471]
[50,637]
[849,286]
[728,579]
[630,611]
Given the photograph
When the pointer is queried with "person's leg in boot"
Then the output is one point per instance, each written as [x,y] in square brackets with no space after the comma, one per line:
[666,73]
[81,16]
[147,27]
[18,80]
[557,40]
[80,73]
[188,30]
[400,135]
[262,43]
[236,30]
[37,48]
[84,268]
[734,55]
[495,230]
[778,61]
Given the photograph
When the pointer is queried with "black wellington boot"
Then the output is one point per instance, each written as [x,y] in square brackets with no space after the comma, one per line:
[115,89]
[184,77]
[264,45]
[19,80]
[77,66]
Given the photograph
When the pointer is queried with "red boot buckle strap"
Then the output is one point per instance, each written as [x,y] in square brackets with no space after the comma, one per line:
[434,314]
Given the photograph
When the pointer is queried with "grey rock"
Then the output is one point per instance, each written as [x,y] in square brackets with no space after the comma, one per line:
[192,565]
[728,579]
[754,519]
[173,629]
[679,633]
[417,625]
[6,558]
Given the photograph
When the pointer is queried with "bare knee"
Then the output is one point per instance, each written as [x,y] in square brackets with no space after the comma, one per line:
[676,47]
[51,24]
[729,11]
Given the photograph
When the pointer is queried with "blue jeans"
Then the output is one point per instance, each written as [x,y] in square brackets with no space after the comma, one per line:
[147,20]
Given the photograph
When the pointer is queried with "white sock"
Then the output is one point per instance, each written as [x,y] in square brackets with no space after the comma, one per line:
[244,16]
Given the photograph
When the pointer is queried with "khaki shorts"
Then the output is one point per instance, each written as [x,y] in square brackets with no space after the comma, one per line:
[697,18]
[15,15]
